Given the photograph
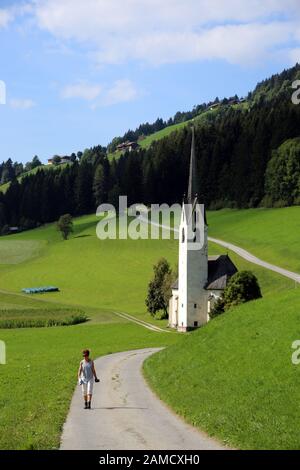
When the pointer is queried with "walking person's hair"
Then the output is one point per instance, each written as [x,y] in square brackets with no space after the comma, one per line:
[86,352]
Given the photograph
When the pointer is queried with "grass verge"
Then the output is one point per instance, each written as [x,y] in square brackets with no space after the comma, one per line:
[39,378]
[234,378]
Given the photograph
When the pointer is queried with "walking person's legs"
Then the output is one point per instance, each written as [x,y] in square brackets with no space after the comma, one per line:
[89,401]
[89,392]
[85,395]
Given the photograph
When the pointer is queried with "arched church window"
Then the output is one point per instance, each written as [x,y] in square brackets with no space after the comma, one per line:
[183,236]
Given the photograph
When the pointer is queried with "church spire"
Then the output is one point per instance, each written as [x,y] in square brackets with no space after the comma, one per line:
[192,195]
[192,189]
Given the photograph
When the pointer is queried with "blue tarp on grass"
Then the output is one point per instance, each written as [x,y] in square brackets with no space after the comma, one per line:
[40,290]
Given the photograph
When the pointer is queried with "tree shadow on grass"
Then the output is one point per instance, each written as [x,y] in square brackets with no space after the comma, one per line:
[82,236]
[82,227]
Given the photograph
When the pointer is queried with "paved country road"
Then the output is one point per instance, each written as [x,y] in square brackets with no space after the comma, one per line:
[126,415]
[239,251]
[253,259]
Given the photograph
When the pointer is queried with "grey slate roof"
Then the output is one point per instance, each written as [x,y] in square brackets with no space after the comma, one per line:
[220,270]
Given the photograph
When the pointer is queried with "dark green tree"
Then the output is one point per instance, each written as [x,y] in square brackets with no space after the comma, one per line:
[156,299]
[65,225]
[242,287]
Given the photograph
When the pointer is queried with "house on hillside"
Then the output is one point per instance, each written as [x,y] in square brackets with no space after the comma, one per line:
[127,146]
[65,159]
[214,106]
[201,278]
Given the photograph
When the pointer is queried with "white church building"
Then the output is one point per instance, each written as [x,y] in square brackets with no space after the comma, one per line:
[201,278]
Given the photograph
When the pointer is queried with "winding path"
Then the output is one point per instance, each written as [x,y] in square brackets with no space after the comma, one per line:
[126,415]
[239,251]
[253,259]
[143,323]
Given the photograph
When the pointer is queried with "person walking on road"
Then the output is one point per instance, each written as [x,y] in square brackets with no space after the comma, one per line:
[86,377]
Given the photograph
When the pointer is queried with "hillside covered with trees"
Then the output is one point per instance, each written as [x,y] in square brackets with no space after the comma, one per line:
[247,156]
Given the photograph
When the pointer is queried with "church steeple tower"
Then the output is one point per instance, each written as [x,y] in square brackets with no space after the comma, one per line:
[192,194]
[193,256]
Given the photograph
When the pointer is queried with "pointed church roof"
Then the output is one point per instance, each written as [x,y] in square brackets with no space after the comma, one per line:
[192,194]
[192,189]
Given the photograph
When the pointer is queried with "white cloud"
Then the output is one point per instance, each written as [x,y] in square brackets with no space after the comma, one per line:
[17,103]
[81,90]
[6,17]
[169,31]
[92,19]
[245,43]
[172,31]
[121,91]
[295,55]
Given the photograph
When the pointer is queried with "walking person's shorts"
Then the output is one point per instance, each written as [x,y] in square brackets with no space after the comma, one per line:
[87,388]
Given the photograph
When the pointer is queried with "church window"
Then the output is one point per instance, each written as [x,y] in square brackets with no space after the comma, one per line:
[183,235]
[195,305]
[195,323]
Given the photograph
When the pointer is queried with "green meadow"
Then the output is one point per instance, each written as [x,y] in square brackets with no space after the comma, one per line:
[41,373]
[271,234]
[92,273]
[98,277]
[5,186]
[146,142]
[234,378]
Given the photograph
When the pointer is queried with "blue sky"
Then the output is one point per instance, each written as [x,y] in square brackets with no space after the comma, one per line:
[78,73]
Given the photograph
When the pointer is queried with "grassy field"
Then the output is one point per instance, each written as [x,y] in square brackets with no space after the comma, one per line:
[5,186]
[271,234]
[38,318]
[98,274]
[94,276]
[146,142]
[17,251]
[39,379]
[89,272]
[99,277]
[269,281]
[234,378]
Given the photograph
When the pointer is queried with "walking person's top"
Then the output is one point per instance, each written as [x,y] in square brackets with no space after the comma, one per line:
[87,372]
